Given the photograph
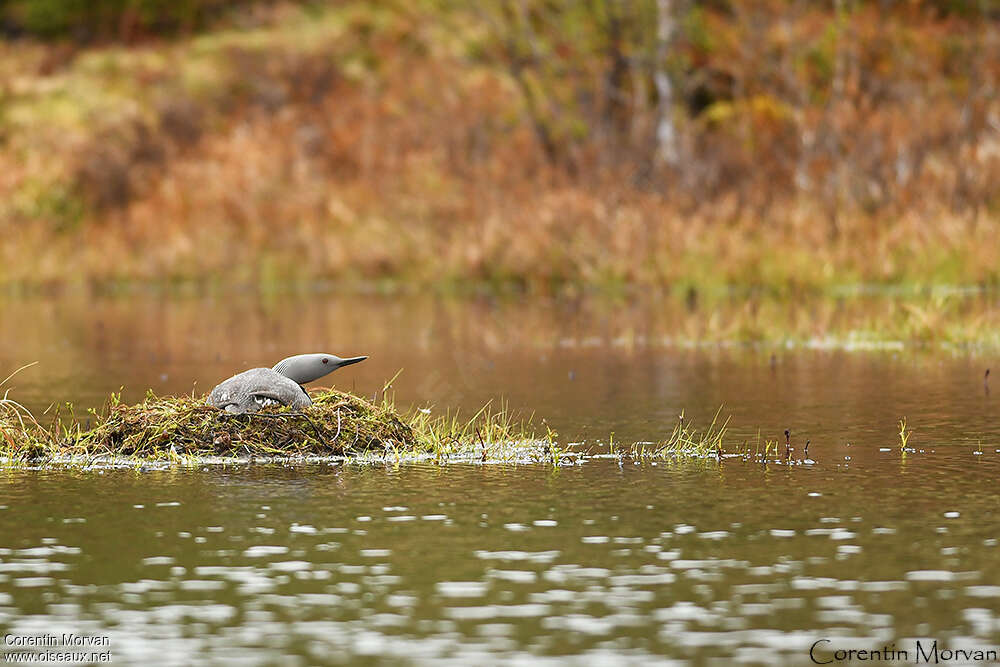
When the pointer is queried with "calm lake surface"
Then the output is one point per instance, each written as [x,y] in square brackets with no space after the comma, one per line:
[600,563]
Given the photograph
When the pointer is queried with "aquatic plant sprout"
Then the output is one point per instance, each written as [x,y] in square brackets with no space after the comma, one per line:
[904,436]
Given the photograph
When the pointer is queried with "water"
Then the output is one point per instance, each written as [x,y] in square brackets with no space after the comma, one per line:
[604,562]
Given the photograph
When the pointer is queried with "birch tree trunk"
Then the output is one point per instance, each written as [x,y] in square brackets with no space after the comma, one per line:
[666,133]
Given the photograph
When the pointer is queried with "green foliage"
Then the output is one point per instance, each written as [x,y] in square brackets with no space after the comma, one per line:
[56,203]
[695,27]
[964,8]
[85,20]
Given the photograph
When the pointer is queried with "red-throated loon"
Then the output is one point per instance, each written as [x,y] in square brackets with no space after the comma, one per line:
[256,388]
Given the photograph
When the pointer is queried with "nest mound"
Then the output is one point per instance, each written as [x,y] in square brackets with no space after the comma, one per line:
[337,423]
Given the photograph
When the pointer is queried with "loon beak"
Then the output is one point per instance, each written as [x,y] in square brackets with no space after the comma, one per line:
[349,361]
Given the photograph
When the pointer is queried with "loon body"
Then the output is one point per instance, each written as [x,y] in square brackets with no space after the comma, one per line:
[257,388]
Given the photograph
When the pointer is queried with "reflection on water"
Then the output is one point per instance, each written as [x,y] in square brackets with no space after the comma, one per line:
[484,564]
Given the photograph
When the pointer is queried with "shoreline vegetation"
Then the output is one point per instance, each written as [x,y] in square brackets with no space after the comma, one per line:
[338,426]
[550,148]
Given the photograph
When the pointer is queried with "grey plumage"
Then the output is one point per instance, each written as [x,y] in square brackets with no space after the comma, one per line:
[256,388]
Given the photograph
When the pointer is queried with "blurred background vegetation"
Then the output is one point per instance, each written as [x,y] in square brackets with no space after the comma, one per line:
[540,145]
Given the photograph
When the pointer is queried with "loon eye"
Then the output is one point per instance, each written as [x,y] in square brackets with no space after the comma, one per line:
[326,361]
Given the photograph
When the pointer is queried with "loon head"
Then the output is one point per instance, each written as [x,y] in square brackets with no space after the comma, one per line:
[303,368]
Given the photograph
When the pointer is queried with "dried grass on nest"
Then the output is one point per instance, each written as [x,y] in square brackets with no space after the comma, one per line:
[336,423]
